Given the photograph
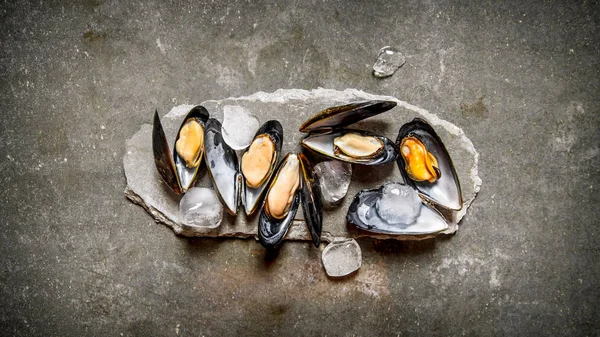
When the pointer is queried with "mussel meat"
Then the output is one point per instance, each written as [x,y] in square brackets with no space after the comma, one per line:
[357,146]
[190,143]
[421,165]
[352,146]
[259,162]
[256,163]
[294,181]
[426,165]
[284,187]
[281,202]
[328,137]
[179,169]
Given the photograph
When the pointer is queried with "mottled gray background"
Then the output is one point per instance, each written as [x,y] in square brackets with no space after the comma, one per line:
[79,77]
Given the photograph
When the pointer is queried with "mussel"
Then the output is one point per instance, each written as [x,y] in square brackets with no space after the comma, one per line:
[426,165]
[294,183]
[311,200]
[343,115]
[328,137]
[259,163]
[352,146]
[394,208]
[223,167]
[179,169]
[430,181]
[281,202]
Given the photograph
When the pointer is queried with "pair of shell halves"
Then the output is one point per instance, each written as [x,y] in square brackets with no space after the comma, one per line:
[430,181]
[328,136]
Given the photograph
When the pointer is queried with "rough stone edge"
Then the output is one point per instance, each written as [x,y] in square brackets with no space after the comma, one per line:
[295,234]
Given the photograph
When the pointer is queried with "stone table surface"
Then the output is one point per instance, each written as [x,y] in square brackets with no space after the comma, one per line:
[520,78]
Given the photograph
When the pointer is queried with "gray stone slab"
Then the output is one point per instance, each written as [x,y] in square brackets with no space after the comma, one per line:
[145,186]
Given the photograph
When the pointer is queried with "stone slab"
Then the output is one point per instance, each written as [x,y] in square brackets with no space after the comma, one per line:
[291,107]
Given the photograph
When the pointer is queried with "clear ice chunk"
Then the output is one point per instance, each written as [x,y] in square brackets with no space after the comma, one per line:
[388,61]
[200,207]
[239,126]
[398,204]
[341,258]
[334,179]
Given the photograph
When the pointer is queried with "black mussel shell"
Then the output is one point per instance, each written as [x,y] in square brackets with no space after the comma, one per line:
[340,116]
[253,196]
[362,213]
[163,157]
[311,200]
[323,143]
[271,231]
[187,175]
[445,191]
[222,164]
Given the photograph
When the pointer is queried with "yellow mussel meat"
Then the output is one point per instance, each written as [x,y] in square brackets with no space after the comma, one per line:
[357,146]
[190,144]
[257,161]
[421,165]
[283,190]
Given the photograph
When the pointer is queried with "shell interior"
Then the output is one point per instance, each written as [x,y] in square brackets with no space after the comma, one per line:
[253,195]
[271,230]
[363,214]
[323,143]
[340,116]
[222,164]
[171,165]
[445,191]
[187,175]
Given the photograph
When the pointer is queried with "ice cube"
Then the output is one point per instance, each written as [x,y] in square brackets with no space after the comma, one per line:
[398,204]
[341,258]
[239,126]
[200,207]
[388,61]
[334,179]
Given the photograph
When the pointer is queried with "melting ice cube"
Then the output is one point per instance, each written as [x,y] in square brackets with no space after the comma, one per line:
[200,207]
[239,126]
[334,179]
[341,258]
[388,61]
[398,204]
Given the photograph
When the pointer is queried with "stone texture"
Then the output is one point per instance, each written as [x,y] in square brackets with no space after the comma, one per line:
[79,78]
[145,187]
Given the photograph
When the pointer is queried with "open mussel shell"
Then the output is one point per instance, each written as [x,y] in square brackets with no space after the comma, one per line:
[311,200]
[363,214]
[222,164]
[340,116]
[187,175]
[163,159]
[445,191]
[253,195]
[171,165]
[323,143]
[272,229]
